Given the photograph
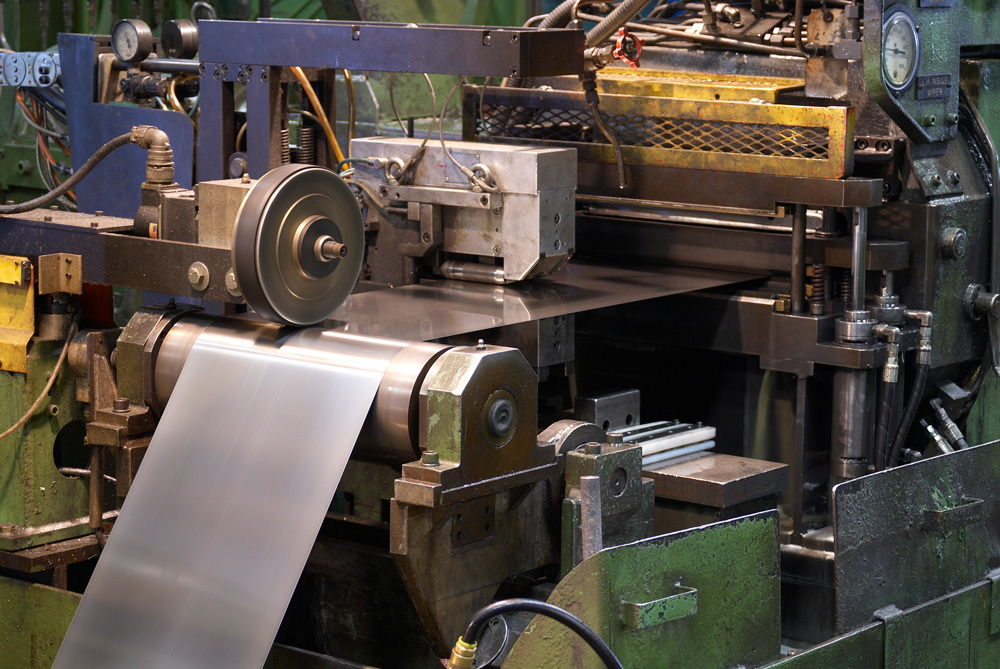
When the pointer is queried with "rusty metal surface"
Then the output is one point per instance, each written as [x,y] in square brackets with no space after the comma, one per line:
[917,532]
[717,479]
[50,556]
[226,506]
[436,309]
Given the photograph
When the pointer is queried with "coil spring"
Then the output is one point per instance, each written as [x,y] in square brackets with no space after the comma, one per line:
[844,286]
[817,297]
[286,151]
[307,144]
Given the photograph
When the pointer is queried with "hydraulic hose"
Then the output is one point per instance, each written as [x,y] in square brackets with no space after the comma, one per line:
[909,413]
[888,399]
[558,17]
[72,181]
[621,15]
[464,652]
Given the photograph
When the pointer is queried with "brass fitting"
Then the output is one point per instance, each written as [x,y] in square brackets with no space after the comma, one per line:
[462,655]
[160,157]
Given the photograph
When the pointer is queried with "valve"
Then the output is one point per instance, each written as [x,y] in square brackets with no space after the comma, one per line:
[628,48]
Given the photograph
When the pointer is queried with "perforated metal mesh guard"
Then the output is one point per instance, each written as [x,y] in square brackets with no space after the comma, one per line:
[704,134]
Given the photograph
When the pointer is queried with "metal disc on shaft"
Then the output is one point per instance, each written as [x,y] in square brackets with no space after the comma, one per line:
[298,243]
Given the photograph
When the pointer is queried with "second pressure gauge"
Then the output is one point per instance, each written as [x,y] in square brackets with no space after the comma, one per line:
[900,49]
[131,40]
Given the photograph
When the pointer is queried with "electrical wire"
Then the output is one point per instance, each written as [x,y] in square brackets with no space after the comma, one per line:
[392,100]
[72,181]
[324,122]
[470,174]
[48,386]
[483,616]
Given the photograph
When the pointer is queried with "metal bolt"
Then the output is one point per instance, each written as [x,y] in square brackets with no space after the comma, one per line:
[501,417]
[496,250]
[430,458]
[198,276]
[615,438]
[47,219]
[952,119]
[513,38]
[556,218]
[954,243]
[232,285]
[592,448]
[930,120]
[120,405]
[53,409]
[93,224]
[484,200]
[861,143]
[954,178]
[481,345]
[426,237]
[99,212]
[936,180]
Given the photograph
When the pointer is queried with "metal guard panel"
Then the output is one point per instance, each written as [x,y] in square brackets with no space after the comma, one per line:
[917,532]
[736,619]
[721,135]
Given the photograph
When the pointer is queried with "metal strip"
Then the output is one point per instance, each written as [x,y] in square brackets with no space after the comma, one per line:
[226,506]
[436,309]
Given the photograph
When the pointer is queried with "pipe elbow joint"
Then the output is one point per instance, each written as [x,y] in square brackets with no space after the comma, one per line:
[160,157]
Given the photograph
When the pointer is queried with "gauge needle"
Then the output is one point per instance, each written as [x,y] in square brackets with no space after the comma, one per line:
[895,50]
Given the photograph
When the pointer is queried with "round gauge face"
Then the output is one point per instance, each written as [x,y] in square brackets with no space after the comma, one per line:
[131,40]
[900,50]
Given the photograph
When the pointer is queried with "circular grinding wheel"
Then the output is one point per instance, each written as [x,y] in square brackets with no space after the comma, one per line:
[298,243]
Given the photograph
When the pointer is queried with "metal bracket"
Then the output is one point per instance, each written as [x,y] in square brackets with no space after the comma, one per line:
[449,197]
[970,510]
[681,604]
[17,312]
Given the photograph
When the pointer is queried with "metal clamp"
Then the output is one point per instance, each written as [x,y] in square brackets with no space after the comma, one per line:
[681,604]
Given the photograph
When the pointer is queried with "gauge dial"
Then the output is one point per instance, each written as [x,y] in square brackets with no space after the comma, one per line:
[131,40]
[900,50]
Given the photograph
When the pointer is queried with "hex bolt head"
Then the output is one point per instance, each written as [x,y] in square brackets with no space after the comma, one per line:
[197,276]
[232,285]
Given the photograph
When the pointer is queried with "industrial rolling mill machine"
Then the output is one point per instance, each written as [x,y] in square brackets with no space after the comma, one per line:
[649,334]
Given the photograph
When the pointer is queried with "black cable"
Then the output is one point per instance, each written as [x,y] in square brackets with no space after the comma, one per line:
[563,616]
[888,399]
[72,181]
[909,413]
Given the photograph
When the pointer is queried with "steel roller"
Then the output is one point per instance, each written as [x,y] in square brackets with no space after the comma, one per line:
[298,244]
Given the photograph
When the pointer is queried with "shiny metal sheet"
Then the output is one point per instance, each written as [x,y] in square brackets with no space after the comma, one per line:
[436,309]
[225,508]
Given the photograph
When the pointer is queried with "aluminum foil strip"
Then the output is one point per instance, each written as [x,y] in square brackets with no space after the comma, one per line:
[224,510]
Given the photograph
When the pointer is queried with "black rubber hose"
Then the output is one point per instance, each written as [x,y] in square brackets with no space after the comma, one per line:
[73,180]
[909,413]
[484,614]
[888,399]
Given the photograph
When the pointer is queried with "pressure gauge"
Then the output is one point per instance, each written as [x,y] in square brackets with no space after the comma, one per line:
[131,40]
[900,49]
